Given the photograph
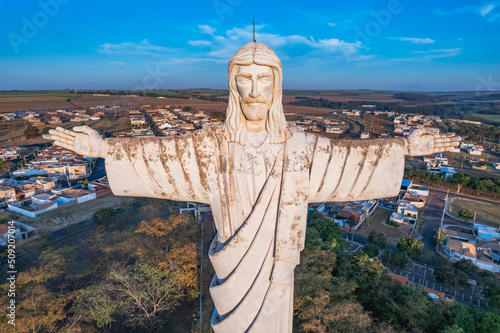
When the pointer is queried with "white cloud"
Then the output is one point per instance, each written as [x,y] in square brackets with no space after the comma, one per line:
[143,47]
[224,46]
[332,24]
[119,63]
[200,43]
[415,40]
[486,9]
[433,54]
[207,29]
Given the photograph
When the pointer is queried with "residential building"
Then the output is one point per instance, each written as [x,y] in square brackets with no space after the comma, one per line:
[7,193]
[406,213]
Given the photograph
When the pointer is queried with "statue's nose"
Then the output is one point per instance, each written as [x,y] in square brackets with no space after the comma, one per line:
[255,89]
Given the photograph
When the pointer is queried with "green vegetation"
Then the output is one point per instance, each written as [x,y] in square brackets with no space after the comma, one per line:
[378,239]
[31,132]
[37,93]
[488,214]
[490,118]
[476,132]
[399,259]
[341,292]
[104,215]
[415,97]
[440,236]
[371,250]
[410,246]
[466,214]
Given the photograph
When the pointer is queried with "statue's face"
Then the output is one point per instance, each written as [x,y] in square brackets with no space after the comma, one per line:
[255,86]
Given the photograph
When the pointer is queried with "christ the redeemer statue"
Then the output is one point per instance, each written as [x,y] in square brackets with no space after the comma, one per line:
[258,175]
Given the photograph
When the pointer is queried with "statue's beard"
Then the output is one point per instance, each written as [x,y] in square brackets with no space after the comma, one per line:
[256,109]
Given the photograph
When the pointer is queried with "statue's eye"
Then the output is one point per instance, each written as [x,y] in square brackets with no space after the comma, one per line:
[264,80]
[242,80]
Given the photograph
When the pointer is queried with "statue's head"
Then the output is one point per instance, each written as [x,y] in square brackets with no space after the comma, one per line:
[255,80]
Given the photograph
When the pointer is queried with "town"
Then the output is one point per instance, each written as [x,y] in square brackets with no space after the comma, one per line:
[443,210]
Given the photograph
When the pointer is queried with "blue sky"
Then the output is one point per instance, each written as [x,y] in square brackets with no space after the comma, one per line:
[394,45]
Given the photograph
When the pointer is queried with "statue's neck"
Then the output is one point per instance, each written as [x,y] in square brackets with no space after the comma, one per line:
[256,138]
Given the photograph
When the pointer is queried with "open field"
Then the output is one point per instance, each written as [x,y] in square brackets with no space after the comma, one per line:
[132,102]
[485,213]
[340,95]
[60,218]
[15,136]
[487,117]
[37,94]
[378,221]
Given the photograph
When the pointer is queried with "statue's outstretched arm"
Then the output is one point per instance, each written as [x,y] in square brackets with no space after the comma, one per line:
[426,141]
[82,140]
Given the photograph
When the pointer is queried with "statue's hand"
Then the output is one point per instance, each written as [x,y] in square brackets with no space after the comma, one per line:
[426,141]
[82,140]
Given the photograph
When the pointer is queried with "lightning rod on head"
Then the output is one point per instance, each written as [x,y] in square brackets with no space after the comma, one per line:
[253,22]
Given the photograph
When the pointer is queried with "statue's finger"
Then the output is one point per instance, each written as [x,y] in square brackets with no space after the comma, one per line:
[47,137]
[84,129]
[64,145]
[456,138]
[62,135]
[65,131]
[67,141]
[451,134]
[442,140]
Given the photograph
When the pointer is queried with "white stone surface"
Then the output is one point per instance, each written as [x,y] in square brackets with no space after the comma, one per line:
[258,175]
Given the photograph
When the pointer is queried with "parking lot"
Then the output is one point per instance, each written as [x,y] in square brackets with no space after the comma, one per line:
[424,276]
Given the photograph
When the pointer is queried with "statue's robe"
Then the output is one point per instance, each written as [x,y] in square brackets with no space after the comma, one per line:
[259,197]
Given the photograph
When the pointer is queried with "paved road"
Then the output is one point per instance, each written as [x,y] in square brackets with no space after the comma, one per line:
[433,212]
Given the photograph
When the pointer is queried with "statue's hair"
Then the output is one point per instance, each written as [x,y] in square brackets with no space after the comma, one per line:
[235,126]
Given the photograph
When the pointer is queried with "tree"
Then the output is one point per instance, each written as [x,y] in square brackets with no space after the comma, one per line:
[365,271]
[45,130]
[351,222]
[324,232]
[466,214]
[411,246]
[96,304]
[146,293]
[452,329]
[84,183]
[378,239]
[104,215]
[31,132]
[451,277]
[322,316]
[401,260]
[440,236]
[465,266]
[371,250]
